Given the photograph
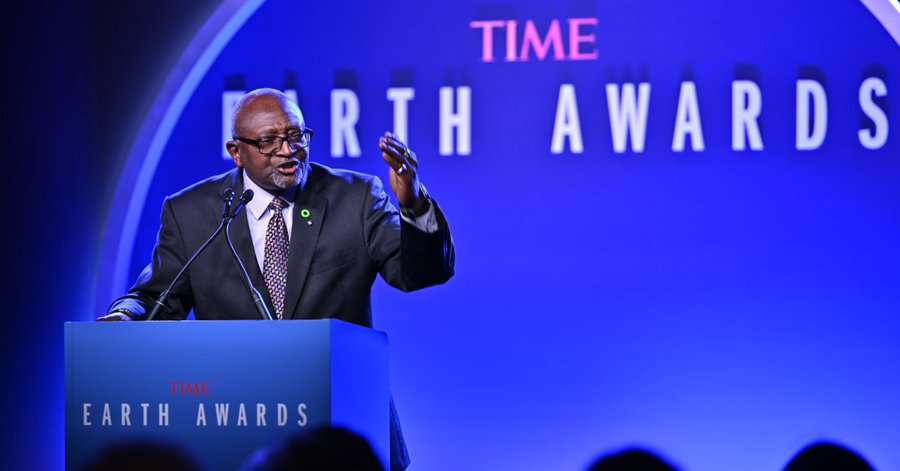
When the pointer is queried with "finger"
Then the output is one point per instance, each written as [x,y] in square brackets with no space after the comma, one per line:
[398,165]
[390,144]
[407,152]
[412,159]
[398,157]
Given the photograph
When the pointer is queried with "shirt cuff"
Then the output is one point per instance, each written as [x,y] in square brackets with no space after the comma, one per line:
[426,223]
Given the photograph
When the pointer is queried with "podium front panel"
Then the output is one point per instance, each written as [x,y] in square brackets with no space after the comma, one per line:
[221,389]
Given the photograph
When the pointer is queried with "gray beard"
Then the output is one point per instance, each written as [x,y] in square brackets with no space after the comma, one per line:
[281,182]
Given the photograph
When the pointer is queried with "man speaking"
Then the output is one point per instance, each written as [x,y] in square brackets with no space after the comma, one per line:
[312,238]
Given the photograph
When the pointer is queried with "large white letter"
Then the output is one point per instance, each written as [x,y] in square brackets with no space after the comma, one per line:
[461,120]
[876,138]
[811,90]
[201,415]
[301,413]
[282,415]
[567,123]
[126,415]
[222,414]
[743,118]
[164,414]
[242,415]
[344,116]
[628,116]
[687,120]
[401,97]
[260,415]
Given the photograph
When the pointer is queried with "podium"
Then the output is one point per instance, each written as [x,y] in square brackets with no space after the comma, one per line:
[221,389]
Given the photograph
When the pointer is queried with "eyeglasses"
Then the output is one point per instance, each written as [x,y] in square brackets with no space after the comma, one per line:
[270,145]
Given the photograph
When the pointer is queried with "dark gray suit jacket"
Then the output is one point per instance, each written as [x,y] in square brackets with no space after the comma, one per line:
[356,234]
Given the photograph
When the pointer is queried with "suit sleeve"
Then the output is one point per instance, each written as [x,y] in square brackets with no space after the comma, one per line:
[168,258]
[406,257]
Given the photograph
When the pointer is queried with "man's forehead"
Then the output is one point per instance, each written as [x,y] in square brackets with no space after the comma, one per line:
[268,109]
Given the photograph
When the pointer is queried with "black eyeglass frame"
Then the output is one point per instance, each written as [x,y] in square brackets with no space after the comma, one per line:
[281,140]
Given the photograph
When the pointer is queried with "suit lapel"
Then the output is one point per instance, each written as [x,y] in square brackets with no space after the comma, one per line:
[308,215]
[243,245]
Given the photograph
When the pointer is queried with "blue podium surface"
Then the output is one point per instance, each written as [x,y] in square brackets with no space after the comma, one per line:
[221,389]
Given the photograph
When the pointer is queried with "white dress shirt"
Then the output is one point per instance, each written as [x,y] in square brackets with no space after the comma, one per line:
[259,214]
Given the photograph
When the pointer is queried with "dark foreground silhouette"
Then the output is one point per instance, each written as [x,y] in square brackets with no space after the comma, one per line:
[323,449]
[142,456]
[824,456]
[631,460]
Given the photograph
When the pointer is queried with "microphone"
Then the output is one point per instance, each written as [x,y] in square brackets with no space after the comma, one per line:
[229,200]
[257,298]
[228,197]
[246,196]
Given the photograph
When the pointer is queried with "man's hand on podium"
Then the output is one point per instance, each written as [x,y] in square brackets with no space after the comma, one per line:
[114,317]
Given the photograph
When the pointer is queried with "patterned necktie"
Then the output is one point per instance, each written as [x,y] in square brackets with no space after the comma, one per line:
[275,264]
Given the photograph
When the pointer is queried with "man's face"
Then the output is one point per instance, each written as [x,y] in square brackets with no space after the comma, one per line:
[267,116]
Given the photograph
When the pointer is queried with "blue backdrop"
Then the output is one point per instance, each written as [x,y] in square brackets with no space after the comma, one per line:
[722,304]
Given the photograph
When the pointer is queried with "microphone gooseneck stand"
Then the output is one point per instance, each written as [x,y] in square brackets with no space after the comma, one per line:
[228,196]
[257,298]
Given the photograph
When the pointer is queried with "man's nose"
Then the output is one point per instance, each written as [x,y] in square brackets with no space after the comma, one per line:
[285,149]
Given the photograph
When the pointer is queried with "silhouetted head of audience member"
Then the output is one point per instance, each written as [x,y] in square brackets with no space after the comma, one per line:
[631,460]
[322,449]
[824,456]
[142,456]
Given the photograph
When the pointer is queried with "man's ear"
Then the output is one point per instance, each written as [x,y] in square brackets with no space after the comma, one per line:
[234,152]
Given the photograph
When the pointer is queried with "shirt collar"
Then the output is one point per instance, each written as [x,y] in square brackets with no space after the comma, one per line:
[261,198]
